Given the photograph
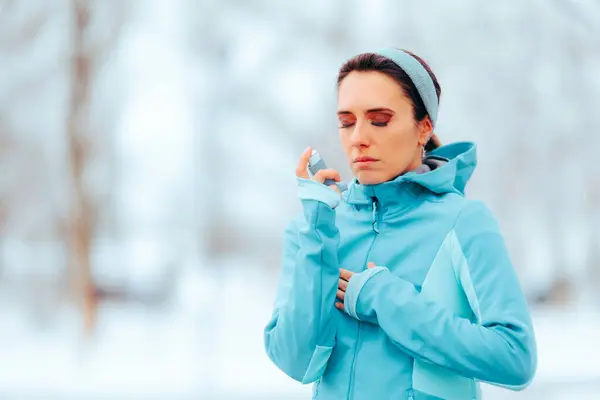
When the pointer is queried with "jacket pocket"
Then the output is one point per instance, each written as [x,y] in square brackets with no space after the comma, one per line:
[430,378]
[318,363]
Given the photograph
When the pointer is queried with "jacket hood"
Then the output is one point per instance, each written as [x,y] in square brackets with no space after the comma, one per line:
[451,176]
[446,169]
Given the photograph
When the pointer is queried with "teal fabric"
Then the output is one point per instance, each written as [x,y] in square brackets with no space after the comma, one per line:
[311,190]
[354,287]
[317,364]
[443,313]
[418,75]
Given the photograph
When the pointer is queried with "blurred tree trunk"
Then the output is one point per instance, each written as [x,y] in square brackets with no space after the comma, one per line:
[81,213]
[90,45]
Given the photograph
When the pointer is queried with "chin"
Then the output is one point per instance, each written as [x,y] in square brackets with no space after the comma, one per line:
[370,177]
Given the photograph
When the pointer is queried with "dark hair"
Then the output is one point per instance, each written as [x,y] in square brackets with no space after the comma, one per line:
[376,62]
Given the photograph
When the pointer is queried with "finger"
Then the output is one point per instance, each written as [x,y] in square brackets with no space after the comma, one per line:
[328,173]
[301,171]
[342,285]
[340,295]
[345,274]
[371,264]
[334,187]
[339,306]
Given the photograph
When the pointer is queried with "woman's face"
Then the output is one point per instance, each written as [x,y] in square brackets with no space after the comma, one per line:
[377,127]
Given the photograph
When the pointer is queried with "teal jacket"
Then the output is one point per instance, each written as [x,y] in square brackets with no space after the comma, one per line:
[442,312]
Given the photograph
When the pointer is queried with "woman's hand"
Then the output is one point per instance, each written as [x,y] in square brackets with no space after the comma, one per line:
[321,176]
[345,277]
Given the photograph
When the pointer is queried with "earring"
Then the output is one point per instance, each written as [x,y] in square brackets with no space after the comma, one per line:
[423,152]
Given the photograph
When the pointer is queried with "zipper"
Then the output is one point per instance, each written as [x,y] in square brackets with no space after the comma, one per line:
[411,394]
[375,225]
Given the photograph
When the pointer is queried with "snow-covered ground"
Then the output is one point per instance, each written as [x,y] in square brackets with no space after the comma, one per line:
[212,349]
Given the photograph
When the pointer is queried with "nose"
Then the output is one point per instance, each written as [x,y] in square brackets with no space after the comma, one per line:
[360,135]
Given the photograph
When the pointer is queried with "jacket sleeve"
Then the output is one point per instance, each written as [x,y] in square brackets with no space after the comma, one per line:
[300,336]
[498,347]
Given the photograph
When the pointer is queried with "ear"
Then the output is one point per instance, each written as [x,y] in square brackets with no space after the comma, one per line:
[425,131]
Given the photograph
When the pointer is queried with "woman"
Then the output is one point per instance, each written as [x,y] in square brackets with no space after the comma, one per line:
[400,288]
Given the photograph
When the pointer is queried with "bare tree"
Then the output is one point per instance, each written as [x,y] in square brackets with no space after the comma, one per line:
[82,284]
[88,54]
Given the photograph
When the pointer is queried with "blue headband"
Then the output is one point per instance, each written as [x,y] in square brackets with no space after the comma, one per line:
[418,75]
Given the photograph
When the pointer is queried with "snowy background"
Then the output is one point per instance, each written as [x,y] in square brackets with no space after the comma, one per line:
[147,152]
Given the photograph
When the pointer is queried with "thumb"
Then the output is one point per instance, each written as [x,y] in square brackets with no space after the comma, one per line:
[371,264]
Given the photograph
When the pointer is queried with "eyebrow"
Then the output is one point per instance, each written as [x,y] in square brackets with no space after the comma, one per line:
[372,110]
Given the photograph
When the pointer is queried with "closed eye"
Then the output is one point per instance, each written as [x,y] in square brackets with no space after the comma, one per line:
[374,123]
[346,120]
[380,119]
[380,124]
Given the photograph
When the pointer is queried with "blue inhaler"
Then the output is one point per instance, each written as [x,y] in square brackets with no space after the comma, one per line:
[316,163]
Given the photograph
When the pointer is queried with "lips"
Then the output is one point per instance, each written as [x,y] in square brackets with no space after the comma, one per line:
[364,163]
[364,159]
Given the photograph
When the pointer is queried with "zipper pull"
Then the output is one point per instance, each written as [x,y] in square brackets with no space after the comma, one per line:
[375,215]
[411,394]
